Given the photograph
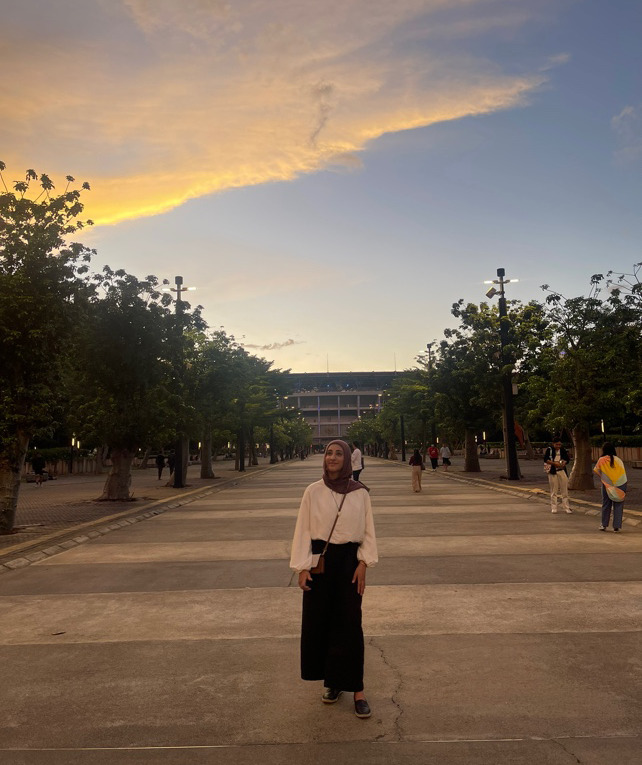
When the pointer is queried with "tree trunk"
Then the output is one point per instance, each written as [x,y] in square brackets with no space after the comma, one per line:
[185,456]
[530,454]
[101,456]
[12,460]
[252,459]
[582,474]
[471,456]
[119,479]
[206,455]
[273,455]
[143,464]
[240,449]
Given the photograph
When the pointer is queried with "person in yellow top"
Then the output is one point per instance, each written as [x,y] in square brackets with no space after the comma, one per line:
[612,473]
[334,523]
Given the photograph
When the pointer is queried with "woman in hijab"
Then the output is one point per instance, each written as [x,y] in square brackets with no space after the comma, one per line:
[611,472]
[334,526]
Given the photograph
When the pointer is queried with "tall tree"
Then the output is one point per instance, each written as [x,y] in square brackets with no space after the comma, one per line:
[411,396]
[367,432]
[627,288]
[468,378]
[124,394]
[41,291]
[216,368]
[589,370]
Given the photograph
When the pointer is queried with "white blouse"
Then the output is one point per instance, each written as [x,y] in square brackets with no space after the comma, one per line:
[316,515]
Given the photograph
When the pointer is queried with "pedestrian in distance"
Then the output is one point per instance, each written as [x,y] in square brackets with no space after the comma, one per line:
[38,464]
[417,465]
[334,544]
[356,460]
[160,464]
[171,461]
[433,454]
[555,461]
[610,470]
[446,454]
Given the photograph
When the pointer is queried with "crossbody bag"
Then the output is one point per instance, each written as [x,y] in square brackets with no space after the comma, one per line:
[320,567]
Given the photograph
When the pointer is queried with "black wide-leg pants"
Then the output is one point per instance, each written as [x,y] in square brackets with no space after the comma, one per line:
[331,632]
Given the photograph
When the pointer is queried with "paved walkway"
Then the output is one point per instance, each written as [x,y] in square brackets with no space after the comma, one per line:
[62,509]
[495,633]
[69,503]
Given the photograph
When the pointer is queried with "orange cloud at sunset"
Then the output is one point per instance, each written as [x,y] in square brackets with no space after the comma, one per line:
[157,102]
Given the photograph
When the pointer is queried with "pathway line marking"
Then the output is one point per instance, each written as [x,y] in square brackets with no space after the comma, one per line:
[580,736]
[140,509]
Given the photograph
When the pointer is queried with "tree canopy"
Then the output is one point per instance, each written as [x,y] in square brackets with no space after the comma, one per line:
[109,356]
[41,296]
[576,362]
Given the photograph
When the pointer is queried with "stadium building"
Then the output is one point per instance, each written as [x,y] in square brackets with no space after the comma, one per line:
[331,401]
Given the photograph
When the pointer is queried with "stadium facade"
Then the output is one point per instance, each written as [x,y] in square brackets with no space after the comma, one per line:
[331,401]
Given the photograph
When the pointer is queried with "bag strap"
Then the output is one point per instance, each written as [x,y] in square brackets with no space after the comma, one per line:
[333,525]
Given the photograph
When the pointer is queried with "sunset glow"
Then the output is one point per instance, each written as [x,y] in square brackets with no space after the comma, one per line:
[367,159]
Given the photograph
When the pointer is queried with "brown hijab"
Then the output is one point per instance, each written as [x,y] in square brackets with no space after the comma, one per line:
[344,483]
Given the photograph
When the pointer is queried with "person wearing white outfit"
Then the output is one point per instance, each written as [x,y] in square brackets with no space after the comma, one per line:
[357,461]
[556,459]
[335,523]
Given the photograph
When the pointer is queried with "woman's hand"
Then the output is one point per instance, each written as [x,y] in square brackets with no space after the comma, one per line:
[304,578]
[360,577]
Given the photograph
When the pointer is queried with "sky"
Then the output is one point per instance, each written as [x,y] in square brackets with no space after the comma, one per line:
[333,176]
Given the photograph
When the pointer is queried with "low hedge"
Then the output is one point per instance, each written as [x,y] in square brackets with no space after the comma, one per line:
[57,453]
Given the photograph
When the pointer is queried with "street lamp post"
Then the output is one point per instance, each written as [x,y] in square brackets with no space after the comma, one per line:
[429,347]
[179,468]
[433,424]
[512,465]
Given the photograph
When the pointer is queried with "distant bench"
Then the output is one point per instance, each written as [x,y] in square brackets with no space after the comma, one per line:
[636,464]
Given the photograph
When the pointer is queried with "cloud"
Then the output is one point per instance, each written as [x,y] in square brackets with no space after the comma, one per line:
[554,61]
[273,346]
[345,162]
[156,102]
[627,126]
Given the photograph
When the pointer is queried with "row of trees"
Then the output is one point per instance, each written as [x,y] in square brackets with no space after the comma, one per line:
[108,357]
[576,362]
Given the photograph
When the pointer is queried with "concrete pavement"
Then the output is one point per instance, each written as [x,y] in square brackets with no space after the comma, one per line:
[495,633]
[64,510]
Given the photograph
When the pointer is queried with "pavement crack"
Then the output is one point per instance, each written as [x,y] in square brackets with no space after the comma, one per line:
[568,751]
[397,731]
